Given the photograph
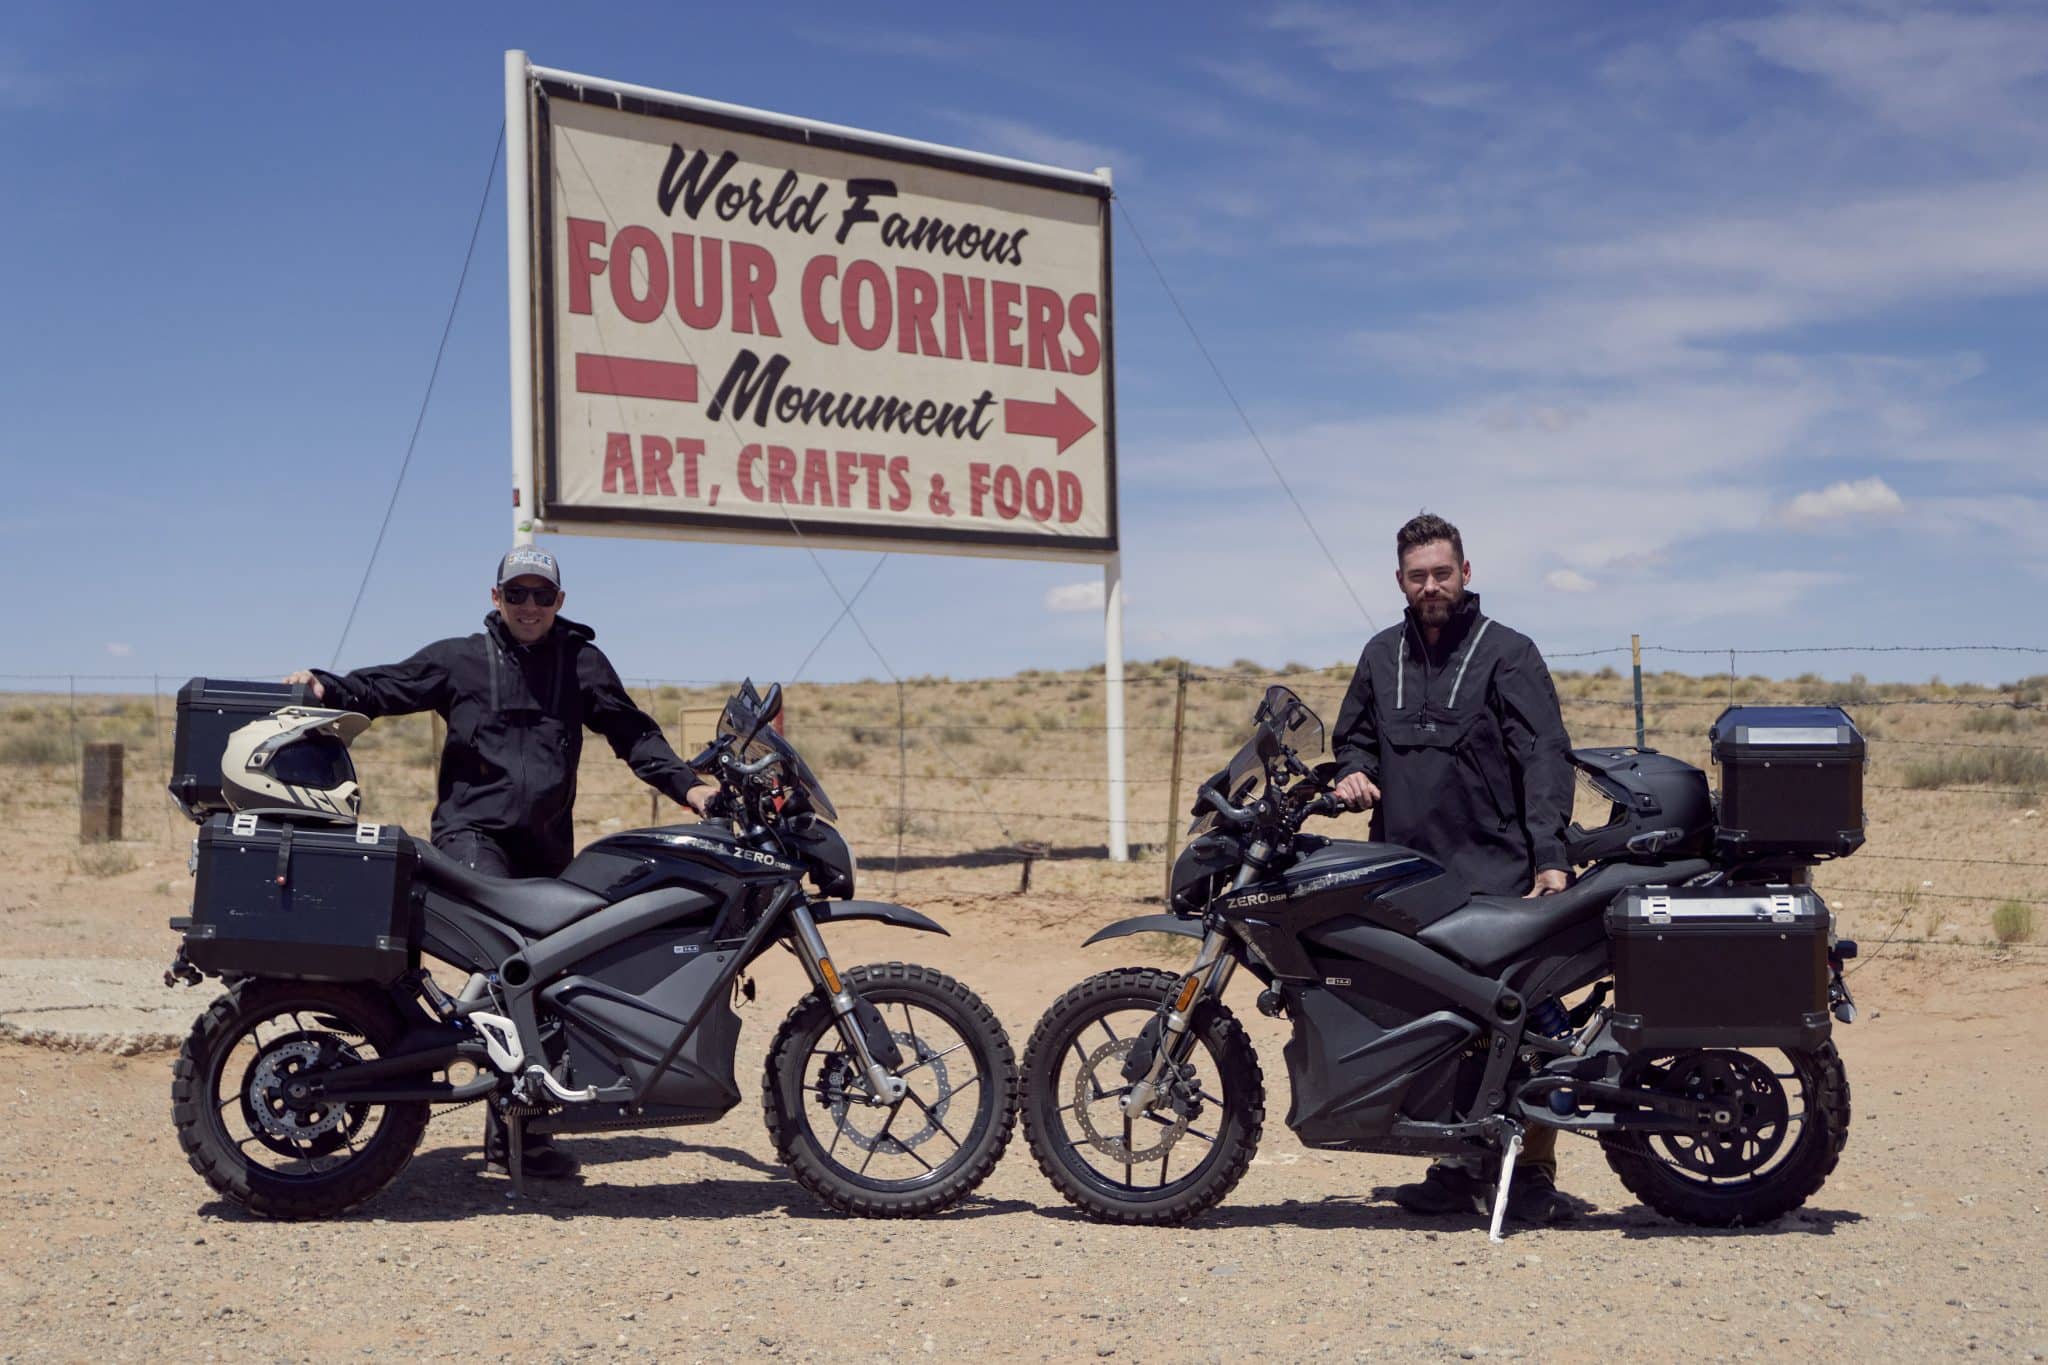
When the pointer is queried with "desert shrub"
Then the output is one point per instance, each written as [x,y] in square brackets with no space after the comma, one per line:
[956,734]
[1994,721]
[2026,769]
[1080,693]
[35,748]
[1003,762]
[103,860]
[846,756]
[1047,720]
[2013,922]
[1247,666]
[907,823]
[871,734]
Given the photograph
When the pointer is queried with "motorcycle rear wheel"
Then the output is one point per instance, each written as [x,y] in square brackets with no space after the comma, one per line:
[289,1162]
[1072,1073]
[1762,1173]
[937,1144]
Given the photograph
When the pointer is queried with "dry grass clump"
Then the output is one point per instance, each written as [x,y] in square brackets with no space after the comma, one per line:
[35,748]
[2013,922]
[2026,769]
[103,860]
[1997,721]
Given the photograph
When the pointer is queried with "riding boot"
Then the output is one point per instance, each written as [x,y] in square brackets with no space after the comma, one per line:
[541,1159]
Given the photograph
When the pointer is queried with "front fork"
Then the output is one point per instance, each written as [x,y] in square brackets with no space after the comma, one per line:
[1204,981]
[885,1085]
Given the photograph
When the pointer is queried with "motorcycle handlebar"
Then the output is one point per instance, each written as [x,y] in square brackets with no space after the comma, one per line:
[1233,816]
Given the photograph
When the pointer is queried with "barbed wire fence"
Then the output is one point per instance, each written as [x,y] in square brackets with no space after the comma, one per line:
[962,789]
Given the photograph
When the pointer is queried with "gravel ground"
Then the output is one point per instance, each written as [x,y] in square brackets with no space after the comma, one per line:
[690,1244]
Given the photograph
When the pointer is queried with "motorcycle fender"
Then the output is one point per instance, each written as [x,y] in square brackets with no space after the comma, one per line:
[903,917]
[1149,924]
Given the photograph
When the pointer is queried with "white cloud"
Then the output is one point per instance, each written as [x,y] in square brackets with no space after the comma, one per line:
[1014,137]
[1871,497]
[1381,41]
[1075,597]
[1568,580]
[1917,67]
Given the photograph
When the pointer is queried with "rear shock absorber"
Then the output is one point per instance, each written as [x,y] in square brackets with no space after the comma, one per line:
[1549,1019]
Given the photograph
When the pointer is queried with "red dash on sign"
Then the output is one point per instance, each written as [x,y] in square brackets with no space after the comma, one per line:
[636,378]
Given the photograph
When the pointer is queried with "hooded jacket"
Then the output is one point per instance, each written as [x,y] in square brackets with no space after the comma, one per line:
[516,715]
[1467,746]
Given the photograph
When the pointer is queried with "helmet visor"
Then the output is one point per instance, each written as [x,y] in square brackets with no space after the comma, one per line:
[317,762]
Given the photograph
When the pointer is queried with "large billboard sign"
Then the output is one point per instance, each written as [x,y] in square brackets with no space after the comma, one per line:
[751,327]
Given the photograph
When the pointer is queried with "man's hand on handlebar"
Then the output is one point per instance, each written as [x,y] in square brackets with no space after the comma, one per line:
[305,678]
[700,798]
[1357,791]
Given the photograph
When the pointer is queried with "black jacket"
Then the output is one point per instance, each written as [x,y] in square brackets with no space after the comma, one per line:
[515,718]
[1466,745]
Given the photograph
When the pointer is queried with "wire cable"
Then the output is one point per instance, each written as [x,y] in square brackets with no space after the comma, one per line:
[490,178]
[1242,416]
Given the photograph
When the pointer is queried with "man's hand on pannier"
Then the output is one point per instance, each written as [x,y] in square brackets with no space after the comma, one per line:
[1549,882]
[307,679]
[1357,791]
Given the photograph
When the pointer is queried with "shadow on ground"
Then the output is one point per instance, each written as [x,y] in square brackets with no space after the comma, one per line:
[447,1185]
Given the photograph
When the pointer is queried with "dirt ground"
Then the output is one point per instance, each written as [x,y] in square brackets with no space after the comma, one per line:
[1928,1242]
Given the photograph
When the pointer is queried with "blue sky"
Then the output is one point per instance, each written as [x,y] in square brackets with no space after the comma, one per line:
[1719,323]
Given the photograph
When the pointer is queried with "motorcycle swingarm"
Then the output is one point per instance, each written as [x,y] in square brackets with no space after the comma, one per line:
[902,916]
[401,1078]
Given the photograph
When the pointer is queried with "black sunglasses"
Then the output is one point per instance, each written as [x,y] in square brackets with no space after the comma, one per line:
[516,595]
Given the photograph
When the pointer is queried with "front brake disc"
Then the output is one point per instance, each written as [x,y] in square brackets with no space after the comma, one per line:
[1171,1124]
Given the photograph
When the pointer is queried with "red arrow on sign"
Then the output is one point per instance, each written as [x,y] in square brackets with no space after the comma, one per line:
[630,378]
[1059,419]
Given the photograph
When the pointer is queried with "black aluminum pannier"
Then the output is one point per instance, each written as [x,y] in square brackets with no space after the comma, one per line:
[1791,782]
[317,900]
[1720,966]
[209,710]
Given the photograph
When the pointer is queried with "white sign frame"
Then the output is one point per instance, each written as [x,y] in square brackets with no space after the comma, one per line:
[529,268]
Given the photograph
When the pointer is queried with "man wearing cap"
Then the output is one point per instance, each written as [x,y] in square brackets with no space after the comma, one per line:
[516,697]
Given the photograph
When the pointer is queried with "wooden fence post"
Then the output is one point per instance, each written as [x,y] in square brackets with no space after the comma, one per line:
[1180,716]
[99,797]
[1635,648]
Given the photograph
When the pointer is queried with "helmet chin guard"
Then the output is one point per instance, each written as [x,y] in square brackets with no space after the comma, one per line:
[294,759]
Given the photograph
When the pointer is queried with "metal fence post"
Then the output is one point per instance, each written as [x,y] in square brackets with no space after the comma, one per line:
[1180,716]
[1635,648]
[902,782]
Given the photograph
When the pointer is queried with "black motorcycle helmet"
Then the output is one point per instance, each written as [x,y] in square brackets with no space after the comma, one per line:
[1655,801]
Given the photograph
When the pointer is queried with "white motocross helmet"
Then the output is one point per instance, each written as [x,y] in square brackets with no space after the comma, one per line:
[294,759]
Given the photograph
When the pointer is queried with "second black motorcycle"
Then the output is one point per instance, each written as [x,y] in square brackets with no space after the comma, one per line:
[1426,1020]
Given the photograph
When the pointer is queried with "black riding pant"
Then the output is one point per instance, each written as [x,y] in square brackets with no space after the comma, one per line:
[499,855]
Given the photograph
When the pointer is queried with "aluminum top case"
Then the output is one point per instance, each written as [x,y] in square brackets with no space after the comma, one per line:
[209,710]
[1791,782]
[1720,966]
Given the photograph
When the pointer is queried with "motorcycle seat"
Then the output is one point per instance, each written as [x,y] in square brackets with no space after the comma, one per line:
[537,906]
[1488,932]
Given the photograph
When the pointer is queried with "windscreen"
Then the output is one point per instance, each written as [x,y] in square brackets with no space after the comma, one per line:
[1282,721]
[742,718]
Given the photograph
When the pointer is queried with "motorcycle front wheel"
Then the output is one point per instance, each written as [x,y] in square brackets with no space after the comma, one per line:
[1187,1151]
[927,1150]
[242,1130]
[1791,1119]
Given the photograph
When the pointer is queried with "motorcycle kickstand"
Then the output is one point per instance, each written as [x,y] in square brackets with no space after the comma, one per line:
[515,1152]
[1507,1178]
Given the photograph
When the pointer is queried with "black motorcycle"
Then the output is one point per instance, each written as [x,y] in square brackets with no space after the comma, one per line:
[1429,1021]
[601,1000]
